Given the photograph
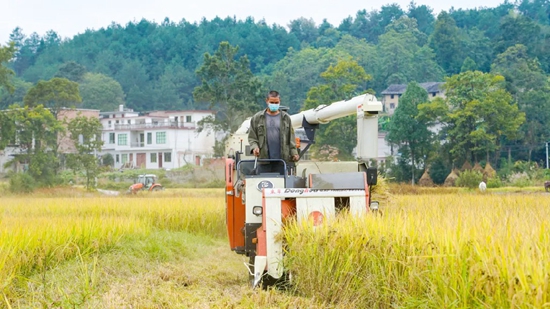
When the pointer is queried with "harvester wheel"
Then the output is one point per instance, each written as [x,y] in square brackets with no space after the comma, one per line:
[157,188]
[282,283]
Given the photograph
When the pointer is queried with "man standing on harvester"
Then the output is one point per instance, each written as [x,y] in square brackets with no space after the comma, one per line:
[271,135]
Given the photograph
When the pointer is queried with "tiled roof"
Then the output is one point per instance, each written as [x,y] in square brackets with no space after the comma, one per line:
[400,88]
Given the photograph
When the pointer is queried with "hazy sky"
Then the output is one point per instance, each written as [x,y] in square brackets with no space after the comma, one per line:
[70,17]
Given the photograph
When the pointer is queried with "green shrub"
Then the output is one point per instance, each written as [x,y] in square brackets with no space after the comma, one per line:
[494,182]
[22,183]
[520,180]
[4,187]
[67,177]
[107,160]
[469,179]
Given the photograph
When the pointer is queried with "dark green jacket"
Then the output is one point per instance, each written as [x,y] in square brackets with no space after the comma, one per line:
[257,136]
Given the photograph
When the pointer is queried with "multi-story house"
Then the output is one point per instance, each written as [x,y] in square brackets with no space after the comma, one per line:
[391,95]
[153,140]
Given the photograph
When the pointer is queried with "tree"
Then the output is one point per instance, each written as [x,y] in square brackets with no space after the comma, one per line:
[477,114]
[101,92]
[295,74]
[227,86]
[136,84]
[445,41]
[396,52]
[408,25]
[167,94]
[409,132]
[518,29]
[522,72]
[85,133]
[20,90]
[7,129]
[304,29]
[6,54]
[423,15]
[404,56]
[54,94]
[439,171]
[468,65]
[341,82]
[479,48]
[179,83]
[72,71]
[529,86]
[37,130]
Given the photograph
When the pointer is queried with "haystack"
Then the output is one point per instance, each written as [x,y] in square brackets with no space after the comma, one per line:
[489,171]
[456,171]
[426,180]
[466,166]
[451,179]
[477,167]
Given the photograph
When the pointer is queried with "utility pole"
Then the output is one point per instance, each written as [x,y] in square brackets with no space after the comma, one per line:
[547,155]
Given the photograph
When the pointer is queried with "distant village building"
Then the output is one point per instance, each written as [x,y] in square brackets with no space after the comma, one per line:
[391,95]
[154,140]
[66,145]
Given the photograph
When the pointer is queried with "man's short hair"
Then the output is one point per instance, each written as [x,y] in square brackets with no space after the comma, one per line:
[273,94]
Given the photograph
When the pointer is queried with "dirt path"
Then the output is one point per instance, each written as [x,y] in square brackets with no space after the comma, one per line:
[166,270]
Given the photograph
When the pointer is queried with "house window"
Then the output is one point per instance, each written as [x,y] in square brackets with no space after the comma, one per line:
[392,105]
[117,160]
[161,137]
[154,157]
[187,118]
[149,138]
[167,157]
[109,123]
[129,121]
[124,158]
[392,96]
[122,139]
[111,138]
[433,94]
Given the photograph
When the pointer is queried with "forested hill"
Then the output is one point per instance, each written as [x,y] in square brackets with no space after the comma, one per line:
[150,66]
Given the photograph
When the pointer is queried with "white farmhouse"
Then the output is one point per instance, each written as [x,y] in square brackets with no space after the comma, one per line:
[153,140]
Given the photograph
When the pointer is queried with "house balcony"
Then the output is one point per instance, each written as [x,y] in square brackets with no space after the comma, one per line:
[148,126]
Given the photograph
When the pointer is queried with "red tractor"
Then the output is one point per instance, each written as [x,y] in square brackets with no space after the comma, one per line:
[145,182]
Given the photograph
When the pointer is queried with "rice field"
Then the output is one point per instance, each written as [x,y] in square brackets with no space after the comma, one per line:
[458,250]
[38,234]
[431,251]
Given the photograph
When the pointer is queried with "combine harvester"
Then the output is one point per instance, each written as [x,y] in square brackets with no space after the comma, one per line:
[258,204]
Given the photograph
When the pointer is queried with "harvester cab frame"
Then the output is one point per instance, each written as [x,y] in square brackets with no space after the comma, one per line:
[258,202]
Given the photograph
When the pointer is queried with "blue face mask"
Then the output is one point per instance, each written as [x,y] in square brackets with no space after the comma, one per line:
[273,107]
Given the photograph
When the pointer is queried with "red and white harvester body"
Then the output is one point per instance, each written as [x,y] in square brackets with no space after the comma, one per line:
[258,203]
